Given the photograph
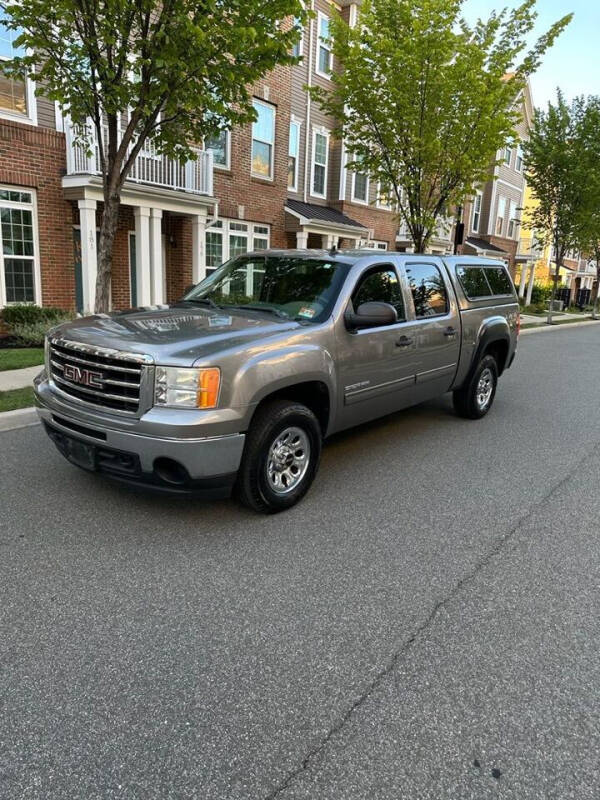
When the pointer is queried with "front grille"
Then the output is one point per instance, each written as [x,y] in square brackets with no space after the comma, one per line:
[96,376]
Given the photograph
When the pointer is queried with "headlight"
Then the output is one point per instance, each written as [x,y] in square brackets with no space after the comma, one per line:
[186,388]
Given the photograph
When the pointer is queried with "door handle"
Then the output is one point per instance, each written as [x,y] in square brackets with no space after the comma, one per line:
[404,341]
[450,331]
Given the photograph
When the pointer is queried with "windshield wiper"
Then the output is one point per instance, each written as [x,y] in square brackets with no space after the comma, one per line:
[268,309]
[206,300]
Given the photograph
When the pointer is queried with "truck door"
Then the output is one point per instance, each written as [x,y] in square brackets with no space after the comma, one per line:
[438,327]
[376,366]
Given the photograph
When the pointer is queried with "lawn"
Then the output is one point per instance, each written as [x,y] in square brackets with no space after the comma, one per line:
[16,398]
[19,357]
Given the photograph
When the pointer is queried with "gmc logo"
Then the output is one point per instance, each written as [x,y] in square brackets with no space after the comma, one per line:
[84,376]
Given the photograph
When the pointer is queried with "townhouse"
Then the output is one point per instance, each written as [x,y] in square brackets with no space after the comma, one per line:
[492,217]
[282,181]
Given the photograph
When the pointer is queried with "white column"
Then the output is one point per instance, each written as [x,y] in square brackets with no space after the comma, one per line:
[156,265]
[523,280]
[198,247]
[301,240]
[89,255]
[330,240]
[142,252]
[531,282]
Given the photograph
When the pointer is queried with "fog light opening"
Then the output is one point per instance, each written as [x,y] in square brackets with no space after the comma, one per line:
[170,472]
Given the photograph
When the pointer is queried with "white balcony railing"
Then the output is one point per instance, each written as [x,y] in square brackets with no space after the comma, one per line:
[149,167]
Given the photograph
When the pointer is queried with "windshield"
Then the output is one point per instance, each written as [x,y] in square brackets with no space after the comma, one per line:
[288,286]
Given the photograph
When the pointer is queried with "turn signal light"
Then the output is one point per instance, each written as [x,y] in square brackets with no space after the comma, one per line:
[208,387]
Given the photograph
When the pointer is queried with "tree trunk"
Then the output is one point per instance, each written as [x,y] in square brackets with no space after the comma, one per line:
[108,230]
[554,290]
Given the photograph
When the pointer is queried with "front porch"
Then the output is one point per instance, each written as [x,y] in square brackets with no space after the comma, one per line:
[158,193]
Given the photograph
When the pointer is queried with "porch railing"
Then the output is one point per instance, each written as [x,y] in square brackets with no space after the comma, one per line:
[149,167]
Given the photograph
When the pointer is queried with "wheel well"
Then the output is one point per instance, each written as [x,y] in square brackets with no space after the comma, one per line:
[312,394]
[498,349]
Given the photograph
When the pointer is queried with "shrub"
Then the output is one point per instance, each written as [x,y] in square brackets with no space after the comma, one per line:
[24,314]
[541,294]
[32,334]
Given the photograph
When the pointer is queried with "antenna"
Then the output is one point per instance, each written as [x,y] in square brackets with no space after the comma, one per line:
[333,250]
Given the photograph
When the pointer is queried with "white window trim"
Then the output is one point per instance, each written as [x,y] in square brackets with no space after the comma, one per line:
[249,234]
[478,196]
[227,165]
[510,158]
[513,220]
[326,134]
[519,168]
[273,108]
[326,46]
[378,203]
[358,200]
[499,216]
[31,117]
[300,43]
[37,273]
[374,244]
[298,125]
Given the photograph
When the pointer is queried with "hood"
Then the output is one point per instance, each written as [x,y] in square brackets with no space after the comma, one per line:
[179,334]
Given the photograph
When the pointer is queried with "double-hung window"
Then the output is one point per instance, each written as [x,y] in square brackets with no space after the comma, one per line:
[293,156]
[263,140]
[320,163]
[500,216]
[17,96]
[19,278]
[508,155]
[520,158]
[360,187]
[384,196]
[324,55]
[512,220]
[476,221]
[219,146]
[298,48]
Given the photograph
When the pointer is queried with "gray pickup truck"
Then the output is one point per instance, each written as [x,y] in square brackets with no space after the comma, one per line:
[237,385]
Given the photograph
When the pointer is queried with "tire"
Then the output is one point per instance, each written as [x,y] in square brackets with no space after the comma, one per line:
[470,401]
[273,476]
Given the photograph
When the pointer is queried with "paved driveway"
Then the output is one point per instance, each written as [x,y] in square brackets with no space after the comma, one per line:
[424,625]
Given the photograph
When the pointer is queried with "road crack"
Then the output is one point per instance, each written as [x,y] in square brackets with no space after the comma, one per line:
[496,550]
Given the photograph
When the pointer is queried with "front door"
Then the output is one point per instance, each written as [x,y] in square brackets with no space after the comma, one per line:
[437,330]
[376,366]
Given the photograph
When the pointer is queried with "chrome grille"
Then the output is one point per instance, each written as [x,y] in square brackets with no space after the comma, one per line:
[98,376]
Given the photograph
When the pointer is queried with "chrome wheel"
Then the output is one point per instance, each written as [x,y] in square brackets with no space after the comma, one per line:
[485,389]
[288,460]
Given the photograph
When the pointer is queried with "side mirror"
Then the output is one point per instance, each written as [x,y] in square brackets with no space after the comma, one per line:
[371,315]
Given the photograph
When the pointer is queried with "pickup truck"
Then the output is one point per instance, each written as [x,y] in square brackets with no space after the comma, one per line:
[236,386]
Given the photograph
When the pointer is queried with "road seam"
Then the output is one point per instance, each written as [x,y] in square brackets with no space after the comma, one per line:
[496,550]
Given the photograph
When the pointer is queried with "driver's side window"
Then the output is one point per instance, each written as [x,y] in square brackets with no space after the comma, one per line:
[380,284]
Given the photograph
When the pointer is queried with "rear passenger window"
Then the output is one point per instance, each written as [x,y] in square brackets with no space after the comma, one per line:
[474,282]
[428,290]
[380,285]
[499,280]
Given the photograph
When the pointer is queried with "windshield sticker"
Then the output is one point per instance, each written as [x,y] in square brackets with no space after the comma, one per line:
[307,313]
[219,322]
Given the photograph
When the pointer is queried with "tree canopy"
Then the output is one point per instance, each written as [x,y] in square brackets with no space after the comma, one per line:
[562,159]
[176,70]
[424,101]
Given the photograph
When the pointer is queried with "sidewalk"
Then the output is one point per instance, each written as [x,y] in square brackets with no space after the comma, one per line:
[558,318]
[18,378]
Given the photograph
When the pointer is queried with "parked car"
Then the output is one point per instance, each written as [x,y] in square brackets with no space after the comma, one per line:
[237,385]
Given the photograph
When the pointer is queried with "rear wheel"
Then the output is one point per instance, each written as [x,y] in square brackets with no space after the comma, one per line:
[281,457]
[475,398]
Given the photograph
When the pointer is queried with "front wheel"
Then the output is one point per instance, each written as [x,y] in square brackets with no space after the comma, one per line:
[281,457]
[475,398]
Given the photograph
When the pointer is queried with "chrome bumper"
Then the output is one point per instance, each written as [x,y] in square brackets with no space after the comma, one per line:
[206,457]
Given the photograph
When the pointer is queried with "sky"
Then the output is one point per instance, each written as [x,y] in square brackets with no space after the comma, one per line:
[573,63]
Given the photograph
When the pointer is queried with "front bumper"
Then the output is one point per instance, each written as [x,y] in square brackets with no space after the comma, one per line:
[185,464]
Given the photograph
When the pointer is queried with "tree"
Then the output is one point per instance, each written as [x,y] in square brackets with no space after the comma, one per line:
[424,102]
[180,70]
[560,161]
[589,233]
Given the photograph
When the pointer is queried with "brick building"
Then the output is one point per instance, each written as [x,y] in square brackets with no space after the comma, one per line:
[279,182]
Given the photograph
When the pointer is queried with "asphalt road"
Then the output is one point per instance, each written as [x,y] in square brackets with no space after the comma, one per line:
[426,624]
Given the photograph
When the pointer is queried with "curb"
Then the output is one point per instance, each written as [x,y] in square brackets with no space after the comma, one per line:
[19,418]
[567,325]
